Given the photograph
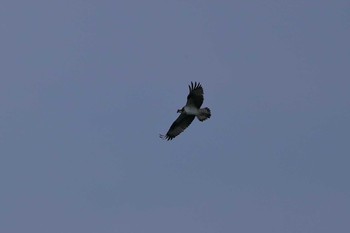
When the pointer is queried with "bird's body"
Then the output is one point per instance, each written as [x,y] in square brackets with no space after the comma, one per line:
[189,112]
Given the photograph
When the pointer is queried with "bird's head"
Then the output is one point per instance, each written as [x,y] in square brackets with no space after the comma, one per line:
[180,110]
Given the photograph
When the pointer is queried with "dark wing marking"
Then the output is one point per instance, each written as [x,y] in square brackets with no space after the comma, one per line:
[195,97]
[179,125]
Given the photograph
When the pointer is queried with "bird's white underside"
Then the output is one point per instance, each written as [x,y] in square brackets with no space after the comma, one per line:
[191,110]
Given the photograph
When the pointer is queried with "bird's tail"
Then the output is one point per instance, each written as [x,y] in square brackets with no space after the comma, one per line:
[204,113]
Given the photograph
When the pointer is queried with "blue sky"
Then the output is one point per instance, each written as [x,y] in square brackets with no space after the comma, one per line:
[87,86]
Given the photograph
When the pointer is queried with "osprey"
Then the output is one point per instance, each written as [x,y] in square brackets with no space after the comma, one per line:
[189,112]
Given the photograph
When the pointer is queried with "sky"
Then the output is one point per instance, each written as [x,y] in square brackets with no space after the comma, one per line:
[87,86]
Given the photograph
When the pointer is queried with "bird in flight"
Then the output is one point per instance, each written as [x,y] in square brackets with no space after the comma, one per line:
[189,112]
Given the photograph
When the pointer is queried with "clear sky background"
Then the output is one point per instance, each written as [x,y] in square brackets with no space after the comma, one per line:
[87,86]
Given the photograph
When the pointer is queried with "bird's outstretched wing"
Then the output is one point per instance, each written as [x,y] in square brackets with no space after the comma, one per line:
[195,97]
[179,125]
